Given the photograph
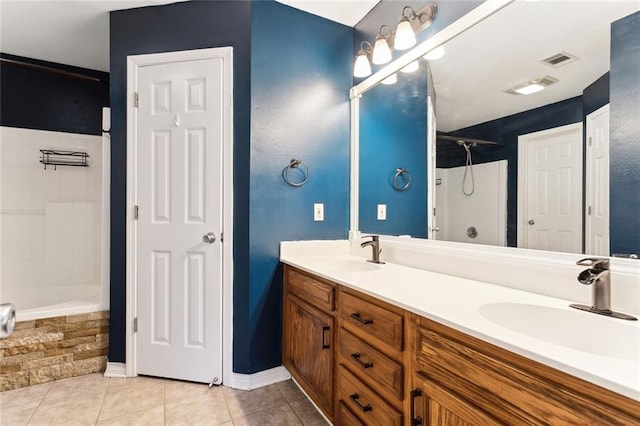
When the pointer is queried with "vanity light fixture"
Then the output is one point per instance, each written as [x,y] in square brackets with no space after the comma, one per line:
[411,24]
[532,86]
[392,79]
[412,67]
[381,51]
[435,54]
[362,67]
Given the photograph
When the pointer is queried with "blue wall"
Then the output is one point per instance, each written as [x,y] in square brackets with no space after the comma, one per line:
[179,26]
[300,79]
[625,135]
[34,98]
[393,133]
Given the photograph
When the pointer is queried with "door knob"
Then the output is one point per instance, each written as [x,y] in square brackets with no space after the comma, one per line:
[435,229]
[532,222]
[209,238]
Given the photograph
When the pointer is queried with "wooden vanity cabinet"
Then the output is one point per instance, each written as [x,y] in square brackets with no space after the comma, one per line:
[458,379]
[309,334]
[366,362]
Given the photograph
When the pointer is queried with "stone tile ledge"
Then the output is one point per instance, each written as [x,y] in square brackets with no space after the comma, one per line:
[47,349]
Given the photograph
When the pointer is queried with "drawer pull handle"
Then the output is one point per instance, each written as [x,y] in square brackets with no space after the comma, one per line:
[364,408]
[363,364]
[415,420]
[324,332]
[356,316]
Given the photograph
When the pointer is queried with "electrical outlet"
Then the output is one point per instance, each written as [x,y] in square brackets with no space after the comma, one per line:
[382,212]
[318,212]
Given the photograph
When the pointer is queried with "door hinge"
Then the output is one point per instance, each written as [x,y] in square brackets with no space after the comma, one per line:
[135,325]
[222,237]
[136,99]
[136,212]
[589,210]
[590,140]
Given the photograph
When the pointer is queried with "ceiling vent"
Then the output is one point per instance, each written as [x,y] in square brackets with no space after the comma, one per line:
[560,59]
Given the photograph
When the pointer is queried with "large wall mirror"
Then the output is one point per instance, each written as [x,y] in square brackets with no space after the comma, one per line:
[511,169]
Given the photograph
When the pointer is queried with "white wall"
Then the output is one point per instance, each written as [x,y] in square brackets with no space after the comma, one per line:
[485,209]
[50,220]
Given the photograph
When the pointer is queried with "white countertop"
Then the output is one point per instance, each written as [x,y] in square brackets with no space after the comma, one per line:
[605,351]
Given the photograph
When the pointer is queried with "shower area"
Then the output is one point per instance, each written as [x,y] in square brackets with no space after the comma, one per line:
[53,222]
[471,199]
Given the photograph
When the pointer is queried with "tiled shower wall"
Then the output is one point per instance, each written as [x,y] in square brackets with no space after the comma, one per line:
[47,349]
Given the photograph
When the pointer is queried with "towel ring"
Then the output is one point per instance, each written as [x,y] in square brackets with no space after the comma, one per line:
[296,164]
[398,185]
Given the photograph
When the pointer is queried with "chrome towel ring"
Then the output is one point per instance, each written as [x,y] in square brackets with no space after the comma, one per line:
[401,184]
[296,164]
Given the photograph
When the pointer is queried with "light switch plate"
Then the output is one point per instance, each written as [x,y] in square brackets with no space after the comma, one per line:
[318,212]
[382,212]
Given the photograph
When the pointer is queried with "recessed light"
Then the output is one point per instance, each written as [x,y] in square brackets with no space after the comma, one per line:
[532,86]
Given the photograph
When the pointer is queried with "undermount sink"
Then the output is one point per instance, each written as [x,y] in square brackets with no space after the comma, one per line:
[569,328]
[348,265]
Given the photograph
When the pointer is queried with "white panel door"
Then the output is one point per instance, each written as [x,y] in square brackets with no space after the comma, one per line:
[551,218]
[179,194]
[597,183]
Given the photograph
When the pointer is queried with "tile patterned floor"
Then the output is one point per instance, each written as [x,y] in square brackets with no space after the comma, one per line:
[97,400]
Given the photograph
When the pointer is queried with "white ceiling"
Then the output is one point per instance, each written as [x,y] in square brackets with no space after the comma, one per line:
[505,49]
[76,32]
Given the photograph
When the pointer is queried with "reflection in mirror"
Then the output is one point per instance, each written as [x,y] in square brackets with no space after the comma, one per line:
[393,159]
[540,186]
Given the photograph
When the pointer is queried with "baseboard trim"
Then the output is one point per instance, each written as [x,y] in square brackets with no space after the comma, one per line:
[116,369]
[258,380]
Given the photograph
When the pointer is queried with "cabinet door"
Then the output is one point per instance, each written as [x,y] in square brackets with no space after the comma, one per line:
[308,351]
[434,405]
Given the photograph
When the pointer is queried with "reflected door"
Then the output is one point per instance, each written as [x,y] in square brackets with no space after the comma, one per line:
[597,183]
[179,194]
[550,189]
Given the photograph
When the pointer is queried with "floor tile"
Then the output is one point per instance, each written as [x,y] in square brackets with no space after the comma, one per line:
[175,391]
[244,403]
[20,399]
[307,413]
[89,386]
[277,416]
[151,416]
[16,418]
[68,413]
[209,409]
[131,395]
[291,391]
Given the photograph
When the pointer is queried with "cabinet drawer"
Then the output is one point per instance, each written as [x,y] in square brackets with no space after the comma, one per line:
[318,293]
[372,363]
[360,399]
[375,320]
[346,417]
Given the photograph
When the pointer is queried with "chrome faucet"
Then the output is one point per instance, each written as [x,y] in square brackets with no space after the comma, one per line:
[374,242]
[599,276]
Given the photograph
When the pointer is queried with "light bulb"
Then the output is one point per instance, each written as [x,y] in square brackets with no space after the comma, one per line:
[362,68]
[412,67]
[405,37]
[392,79]
[434,54]
[381,51]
